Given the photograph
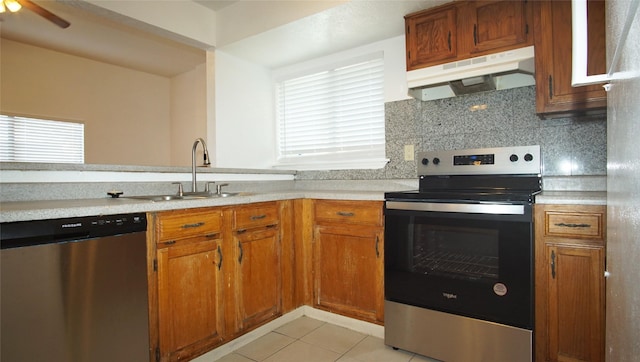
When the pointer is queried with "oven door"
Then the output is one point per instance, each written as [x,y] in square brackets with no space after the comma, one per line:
[473,259]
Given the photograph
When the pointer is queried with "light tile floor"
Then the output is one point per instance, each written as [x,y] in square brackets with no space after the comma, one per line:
[310,340]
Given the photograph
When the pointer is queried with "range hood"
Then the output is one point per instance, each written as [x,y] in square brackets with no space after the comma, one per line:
[509,69]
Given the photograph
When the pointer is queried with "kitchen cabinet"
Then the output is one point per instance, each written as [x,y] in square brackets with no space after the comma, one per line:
[258,274]
[431,37]
[190,285]
[498,25]
[569,282]
[555,97]
[348,263]
[216,273]
[462,30]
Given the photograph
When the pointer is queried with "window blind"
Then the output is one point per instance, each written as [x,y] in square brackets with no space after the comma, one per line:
[37,140]
[333,118]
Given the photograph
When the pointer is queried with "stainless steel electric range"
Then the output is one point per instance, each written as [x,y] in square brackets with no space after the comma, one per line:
[459,256]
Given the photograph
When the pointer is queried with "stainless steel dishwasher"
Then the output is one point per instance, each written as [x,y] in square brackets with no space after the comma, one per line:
[75,290]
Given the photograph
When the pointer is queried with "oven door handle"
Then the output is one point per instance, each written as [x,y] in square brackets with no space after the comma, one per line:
[496,209]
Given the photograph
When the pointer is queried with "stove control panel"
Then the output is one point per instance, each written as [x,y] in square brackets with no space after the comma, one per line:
[517,160]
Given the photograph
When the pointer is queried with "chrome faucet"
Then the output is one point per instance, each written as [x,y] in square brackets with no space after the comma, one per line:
[194,187]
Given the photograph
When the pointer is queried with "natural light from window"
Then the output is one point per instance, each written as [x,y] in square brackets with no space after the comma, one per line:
[25,139]
[333,119]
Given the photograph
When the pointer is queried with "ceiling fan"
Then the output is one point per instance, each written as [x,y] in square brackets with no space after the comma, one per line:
[15,5]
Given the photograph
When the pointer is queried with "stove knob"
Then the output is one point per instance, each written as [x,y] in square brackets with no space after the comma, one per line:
[425,161]
[528,157]
[436,161]
[513,158]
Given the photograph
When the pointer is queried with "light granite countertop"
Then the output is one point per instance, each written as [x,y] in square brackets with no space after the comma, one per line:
[53,209]
[572,197]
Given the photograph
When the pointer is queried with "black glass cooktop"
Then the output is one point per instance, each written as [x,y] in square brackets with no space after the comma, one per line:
[473,189]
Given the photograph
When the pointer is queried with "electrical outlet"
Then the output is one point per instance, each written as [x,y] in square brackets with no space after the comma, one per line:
[408,152]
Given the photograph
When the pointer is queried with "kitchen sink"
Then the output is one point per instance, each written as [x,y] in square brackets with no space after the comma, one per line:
[226,194]
[195,196]
[168,197]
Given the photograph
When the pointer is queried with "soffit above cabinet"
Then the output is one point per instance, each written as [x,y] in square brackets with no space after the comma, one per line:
[298,34]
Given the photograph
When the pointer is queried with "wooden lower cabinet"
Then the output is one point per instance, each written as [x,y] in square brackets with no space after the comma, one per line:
[190,284]
[216,273]
[258,273]
[190,290]
[348,264]
[570,283]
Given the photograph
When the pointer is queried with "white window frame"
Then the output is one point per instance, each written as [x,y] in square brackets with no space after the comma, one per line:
[369,157]
[25,139]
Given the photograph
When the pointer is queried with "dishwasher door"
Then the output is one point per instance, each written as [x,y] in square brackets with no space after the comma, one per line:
[76,301]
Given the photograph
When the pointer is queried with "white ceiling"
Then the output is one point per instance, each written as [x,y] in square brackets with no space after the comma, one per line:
[351,24]
[99,38]
[216,5]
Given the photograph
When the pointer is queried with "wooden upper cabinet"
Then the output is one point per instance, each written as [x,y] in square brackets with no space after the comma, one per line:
[555,97]
[498,24]
[431,37]
[466,29]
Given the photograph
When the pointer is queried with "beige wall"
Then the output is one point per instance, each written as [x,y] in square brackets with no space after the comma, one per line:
[127,113]
[188,115]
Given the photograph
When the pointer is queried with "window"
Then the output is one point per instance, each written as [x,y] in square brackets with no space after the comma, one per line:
[37,140]
[333,119]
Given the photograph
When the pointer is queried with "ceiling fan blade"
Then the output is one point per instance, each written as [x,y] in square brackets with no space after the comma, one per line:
[45,13]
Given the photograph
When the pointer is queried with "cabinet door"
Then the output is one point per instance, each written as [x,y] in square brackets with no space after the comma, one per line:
[431,37]
[575,303]
[190,298]
[348,271]
[258,276]
[497,24]
[554,94]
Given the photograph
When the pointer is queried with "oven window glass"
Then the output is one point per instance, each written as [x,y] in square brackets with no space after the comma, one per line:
[456,252]
[474,265]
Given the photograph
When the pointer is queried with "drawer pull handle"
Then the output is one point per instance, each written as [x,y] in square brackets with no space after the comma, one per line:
[553,264]
[219,257]
[257,217]
[562,224]
[191,226]
[212,236]
[345,213]
[170,242]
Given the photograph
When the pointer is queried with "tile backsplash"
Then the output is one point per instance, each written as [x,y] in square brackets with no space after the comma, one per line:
[570,147]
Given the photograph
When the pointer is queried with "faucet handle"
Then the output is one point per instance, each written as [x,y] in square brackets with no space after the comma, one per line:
[219,188]
[180,189]
[206,186]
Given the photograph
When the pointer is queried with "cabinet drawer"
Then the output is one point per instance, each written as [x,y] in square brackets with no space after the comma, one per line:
[185,223]
[357,212]
[256,215]
[574,224]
